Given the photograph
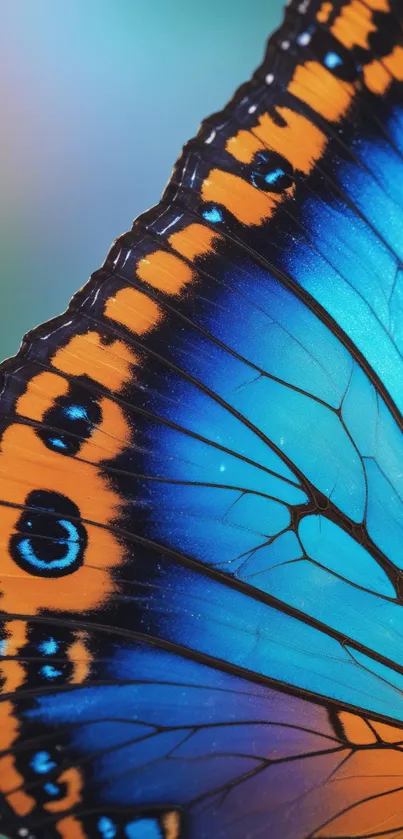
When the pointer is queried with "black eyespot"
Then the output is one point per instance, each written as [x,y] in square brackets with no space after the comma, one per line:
[271,172]
[48,543]
[74,416]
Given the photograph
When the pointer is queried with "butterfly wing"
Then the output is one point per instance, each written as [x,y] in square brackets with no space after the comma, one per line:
[201,481]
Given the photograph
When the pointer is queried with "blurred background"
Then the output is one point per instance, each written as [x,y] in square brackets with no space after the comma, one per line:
[97,98]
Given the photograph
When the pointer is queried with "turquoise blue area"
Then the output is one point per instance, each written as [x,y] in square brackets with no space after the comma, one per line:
[300,416]
[356,299]
[334,549]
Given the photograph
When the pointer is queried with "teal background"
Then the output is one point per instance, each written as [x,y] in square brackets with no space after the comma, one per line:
[97,98]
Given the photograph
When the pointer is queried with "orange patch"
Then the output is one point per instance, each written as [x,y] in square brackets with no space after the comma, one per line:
[324,12]
[242,199]
[356,729]
[315,86]
[134,310]
[301,142]
[376,78]
[72,779]
[12,671]
[367,774]
[86,355]
[378,5]
[354,25]
[26,464]
[41,393]
[70,828]
[376,817]
[16,637]
[8,726]
[164,271]
[110,437]
[394,63]
[13,674]
[194,240]
[388,733]
[243,146]
[171,825]
[21,803]
[80,658]
[10,778]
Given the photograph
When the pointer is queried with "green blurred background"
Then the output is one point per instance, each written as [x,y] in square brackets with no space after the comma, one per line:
[96,99]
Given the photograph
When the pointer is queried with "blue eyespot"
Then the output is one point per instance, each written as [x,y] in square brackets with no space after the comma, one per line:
[214,215]
[42,763]
[106,828]
[50,672]
[72,543]
[48,647]
[332,60]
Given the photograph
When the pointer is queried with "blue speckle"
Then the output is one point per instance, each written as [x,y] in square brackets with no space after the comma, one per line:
[48,647]
[42,763]
[332,60]
[143,829]
[274,176]
[51,789]
[57,443]
[214,215]
[3,647]
[106,827]
[76,412]
[50,672]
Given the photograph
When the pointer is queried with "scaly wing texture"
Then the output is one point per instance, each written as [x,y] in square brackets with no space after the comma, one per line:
[201,481]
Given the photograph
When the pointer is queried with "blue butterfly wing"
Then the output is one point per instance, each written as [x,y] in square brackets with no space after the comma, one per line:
[201,481]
